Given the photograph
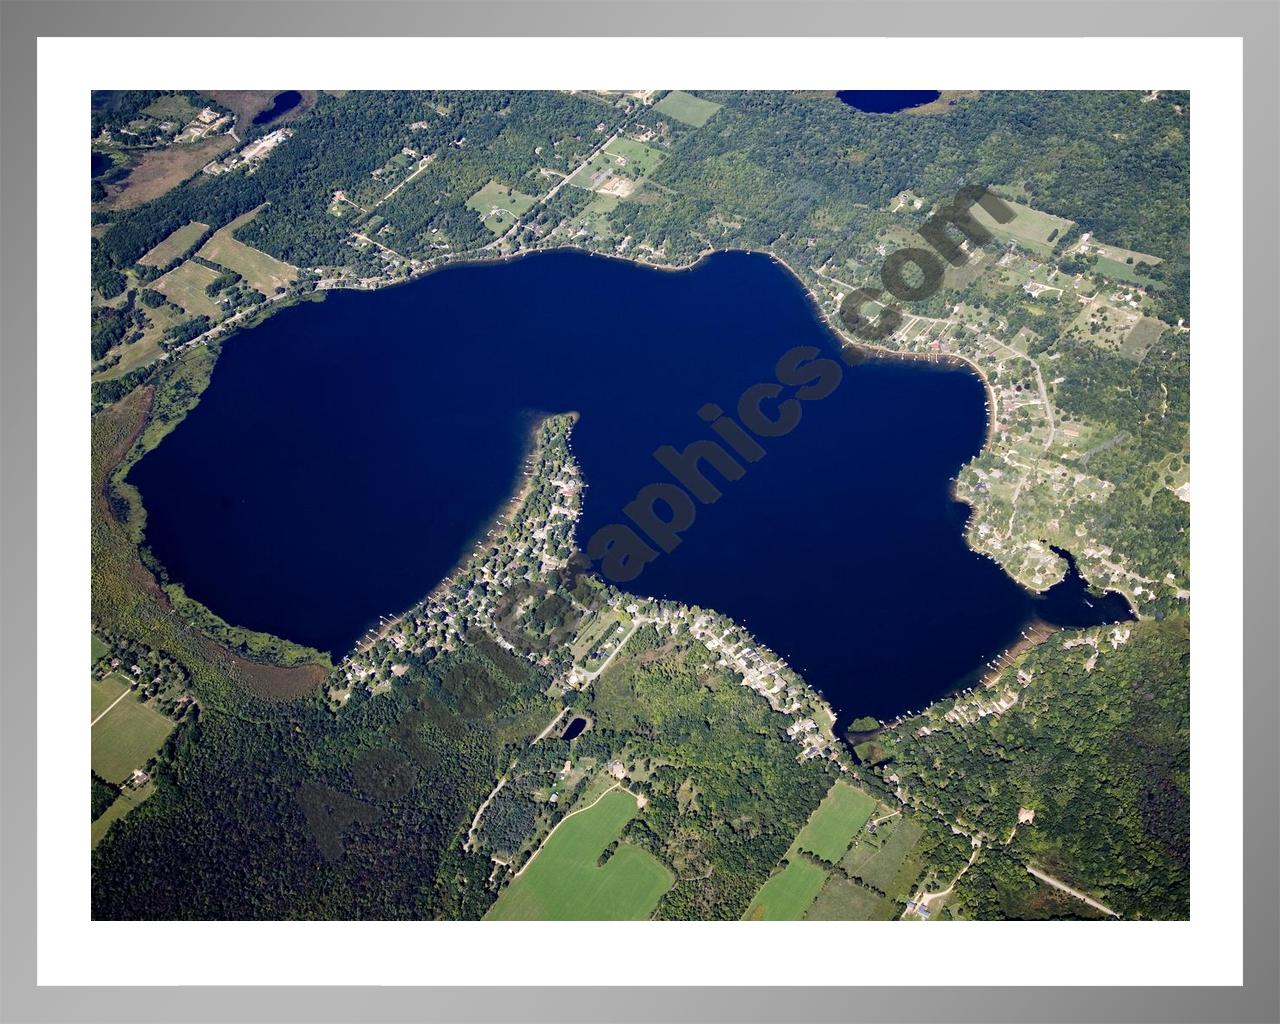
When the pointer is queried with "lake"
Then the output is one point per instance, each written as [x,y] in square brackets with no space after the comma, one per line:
[281,103]
[886,101]
[348,452]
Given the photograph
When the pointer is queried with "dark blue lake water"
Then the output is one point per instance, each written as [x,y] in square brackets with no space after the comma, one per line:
[281,103]
[887,101]
[348,452]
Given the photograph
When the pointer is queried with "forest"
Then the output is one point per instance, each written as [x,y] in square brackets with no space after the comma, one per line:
[1102,758]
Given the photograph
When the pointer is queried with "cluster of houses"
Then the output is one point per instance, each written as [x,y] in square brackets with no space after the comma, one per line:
[522,549]
[527,548]
[775,681]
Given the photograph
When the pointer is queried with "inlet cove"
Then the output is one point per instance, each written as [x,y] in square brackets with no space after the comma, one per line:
[348,453]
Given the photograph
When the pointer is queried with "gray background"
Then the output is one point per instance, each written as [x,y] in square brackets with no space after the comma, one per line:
[22,22]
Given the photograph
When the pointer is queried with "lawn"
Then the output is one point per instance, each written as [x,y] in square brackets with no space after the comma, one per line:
[787,895]
[126,736]
[98,647]
[499,206]
[179,243]
[185,284]
[842,899]
[595,215]
[264,273]
[564,883]
[596,172]
[832,826]
[638,160]
[685,108]
[1032,229]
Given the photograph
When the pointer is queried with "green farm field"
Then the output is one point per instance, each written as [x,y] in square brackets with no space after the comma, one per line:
[264,273]
[564,883]
[787,894]
[185,285]
[179,243]
[125,736]
[687,109]
[830,829]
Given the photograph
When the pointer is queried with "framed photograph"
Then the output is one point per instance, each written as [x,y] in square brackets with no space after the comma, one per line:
[560,504]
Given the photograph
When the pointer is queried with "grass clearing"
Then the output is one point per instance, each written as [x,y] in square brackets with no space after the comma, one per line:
[686,108]
[98,647]
[124,803]
[265,274]
[126,736]
[179,243]
[174,107]
[843,899]
[787,894]
[564,882]
[1032,229]
[1120,271]
[499,206]
[832,826]
[145,349]
[1129,257]
[185,284]
[1145,333]
[884,860]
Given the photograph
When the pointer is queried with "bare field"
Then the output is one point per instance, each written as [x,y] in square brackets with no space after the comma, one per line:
[160,170]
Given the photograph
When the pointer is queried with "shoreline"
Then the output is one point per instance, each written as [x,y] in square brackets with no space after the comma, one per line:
[501,517]
[511,505]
